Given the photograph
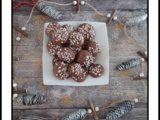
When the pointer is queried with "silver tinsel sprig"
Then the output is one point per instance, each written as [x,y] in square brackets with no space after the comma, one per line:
[49,10]
[128,64]
[29,99]
[120,110]
[76,115]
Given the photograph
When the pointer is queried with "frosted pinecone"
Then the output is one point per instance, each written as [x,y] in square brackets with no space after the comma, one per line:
[29,99]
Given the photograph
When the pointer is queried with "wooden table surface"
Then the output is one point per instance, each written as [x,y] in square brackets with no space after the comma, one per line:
[27,72]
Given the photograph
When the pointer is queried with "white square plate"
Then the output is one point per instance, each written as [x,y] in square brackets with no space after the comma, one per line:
[101,37]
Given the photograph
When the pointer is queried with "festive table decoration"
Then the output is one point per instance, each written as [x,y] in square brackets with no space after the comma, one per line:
[143,55]
[129,64]
[49,10]
[16,92]
[76,115]
[120,110]
[21,31]
[29,99]
[111,17]
[23,2]
[122,106]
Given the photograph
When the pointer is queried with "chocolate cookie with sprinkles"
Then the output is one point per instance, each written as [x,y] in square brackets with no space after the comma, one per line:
[69,28]
[60,70]
[60,36]
[76,39]
[52,49]
[81,78]
[75,69]
[94,48]
[66,54]
[52,28]
[85,58]
[87,30]
[96,70]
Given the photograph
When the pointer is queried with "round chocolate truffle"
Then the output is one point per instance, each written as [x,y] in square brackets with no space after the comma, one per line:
[93,48]
[52,27]
[52,49]
[60,70]
[60,36]
[75,69]
[69,28]
[85,58]
[87,30]
[96,70]
[76,39]
[81,78]
[66,54]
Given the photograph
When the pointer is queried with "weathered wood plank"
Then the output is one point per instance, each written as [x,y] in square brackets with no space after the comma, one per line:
[99,5]
[56,114]
[71,97]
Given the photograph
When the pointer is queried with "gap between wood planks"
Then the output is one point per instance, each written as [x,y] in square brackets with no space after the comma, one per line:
[137,106]
[37,12]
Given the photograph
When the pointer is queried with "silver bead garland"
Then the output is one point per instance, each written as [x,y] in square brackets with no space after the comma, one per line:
[29,99]
[49,10]
[76,115]
[120,110]
[136,20]
[128,64]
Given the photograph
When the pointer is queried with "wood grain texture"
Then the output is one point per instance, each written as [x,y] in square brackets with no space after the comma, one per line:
[27,72]
[56,114]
